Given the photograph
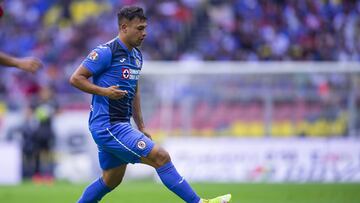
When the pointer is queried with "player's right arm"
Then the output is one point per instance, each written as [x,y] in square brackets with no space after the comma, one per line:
[96,62]
[80,80]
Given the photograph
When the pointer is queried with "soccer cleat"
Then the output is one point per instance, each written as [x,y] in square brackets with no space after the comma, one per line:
[220,199]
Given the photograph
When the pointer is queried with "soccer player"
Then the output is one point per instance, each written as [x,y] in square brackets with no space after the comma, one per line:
[115,67]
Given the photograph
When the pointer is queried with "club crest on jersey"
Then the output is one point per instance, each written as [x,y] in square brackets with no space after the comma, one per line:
[141,144]
[93,55]
[125,73]
[130,74]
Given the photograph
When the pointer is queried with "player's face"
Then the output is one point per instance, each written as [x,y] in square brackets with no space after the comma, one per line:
[136,32]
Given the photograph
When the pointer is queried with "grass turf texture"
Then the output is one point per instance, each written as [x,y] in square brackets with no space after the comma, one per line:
[149,192]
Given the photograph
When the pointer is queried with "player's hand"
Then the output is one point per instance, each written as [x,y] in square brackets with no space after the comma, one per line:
[29,64]
[113,92]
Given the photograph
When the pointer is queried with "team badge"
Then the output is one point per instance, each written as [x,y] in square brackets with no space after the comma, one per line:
[141,144]
[93,55]
[137,61]
[125,73]
[130,74]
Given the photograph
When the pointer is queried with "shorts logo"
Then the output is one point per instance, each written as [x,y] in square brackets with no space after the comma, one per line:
[125,73]
[141,144]
[93,55]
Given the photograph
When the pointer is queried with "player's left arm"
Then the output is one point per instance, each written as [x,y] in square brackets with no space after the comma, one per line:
[137,115]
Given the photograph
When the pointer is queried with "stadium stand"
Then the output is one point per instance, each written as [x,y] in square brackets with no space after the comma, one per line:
[234,30]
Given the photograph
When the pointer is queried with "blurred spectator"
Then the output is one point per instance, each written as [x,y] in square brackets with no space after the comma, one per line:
[38,137]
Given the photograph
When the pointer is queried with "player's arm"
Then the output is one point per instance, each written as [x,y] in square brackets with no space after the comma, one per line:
[137,115]
[29,64]
[80,80]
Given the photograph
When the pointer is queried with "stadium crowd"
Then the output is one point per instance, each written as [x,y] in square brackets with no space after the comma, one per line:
[318,30]
[62,32]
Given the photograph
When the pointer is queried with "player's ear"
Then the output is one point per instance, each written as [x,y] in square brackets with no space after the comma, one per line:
[123,27]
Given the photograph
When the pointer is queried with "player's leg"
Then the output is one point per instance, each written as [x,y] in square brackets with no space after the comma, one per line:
[94,192]
[113,177]
[160,160]
[113,173]
[133,146]
[103,185]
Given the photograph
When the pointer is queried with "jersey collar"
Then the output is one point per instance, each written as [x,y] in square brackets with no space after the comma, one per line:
[124,46]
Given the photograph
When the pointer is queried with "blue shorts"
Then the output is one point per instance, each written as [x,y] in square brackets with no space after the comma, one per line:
[121,144]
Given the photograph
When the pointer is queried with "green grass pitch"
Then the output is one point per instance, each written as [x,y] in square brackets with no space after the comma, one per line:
[150,192]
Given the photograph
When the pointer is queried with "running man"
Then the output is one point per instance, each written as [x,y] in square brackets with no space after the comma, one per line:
[115,69]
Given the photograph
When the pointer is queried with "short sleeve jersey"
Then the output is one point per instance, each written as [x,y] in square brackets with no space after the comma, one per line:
[113,64]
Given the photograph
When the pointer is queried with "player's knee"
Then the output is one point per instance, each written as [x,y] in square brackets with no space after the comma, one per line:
[162,158]
[112,181]
[112,178]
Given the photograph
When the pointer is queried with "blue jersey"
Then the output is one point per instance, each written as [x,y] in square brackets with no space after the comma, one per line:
[113,64]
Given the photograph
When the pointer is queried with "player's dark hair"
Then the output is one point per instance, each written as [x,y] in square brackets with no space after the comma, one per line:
[130,13]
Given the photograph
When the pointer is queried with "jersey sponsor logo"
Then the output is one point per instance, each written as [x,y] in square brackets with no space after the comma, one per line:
[130,74]
[122,60]
[93,56]
[141,144]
